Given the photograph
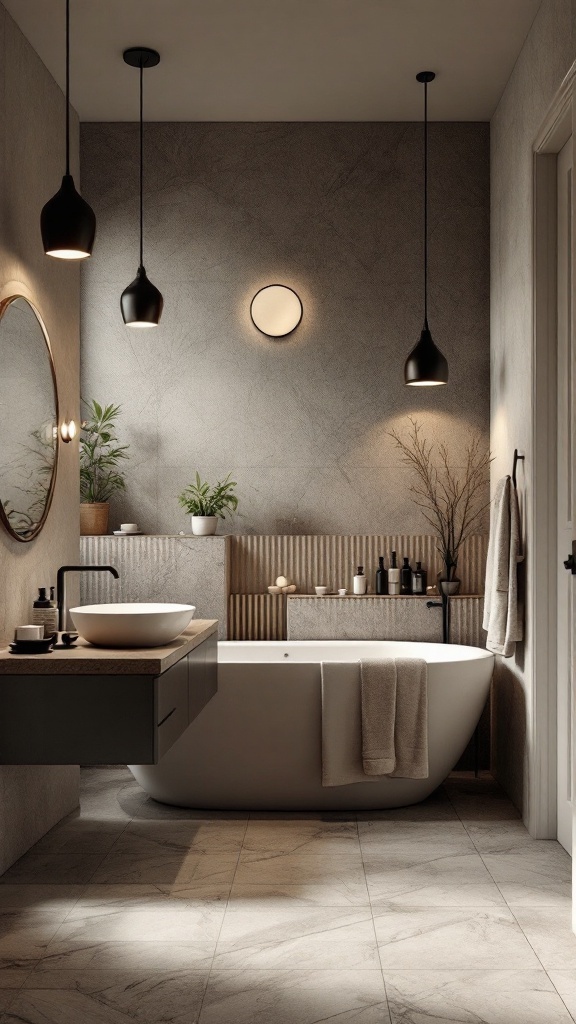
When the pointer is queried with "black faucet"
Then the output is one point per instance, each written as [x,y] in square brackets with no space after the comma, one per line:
[444,604]
[61,585]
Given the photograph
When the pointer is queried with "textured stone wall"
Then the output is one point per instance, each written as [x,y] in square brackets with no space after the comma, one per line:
[32,110]
[335,211]
[546,57]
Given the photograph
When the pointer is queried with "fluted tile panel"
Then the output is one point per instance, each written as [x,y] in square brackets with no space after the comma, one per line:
[257,617]
[331,560]
[187,570]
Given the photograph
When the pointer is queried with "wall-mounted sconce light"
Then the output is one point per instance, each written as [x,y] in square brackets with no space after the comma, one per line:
[276,310]
[67,430]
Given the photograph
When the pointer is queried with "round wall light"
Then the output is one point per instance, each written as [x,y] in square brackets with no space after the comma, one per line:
[276,310]
[67,431]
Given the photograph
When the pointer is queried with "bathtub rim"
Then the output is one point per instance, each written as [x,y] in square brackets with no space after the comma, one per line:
[461,653]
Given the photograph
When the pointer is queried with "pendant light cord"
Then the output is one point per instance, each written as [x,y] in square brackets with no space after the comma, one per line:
[426,203]
[142,163]
[67,86]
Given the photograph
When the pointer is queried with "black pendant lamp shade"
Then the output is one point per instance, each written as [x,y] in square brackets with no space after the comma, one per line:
[67,222]
[426,366]
[141,302]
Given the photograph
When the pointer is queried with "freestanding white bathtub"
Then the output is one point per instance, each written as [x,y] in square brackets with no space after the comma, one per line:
[257,744]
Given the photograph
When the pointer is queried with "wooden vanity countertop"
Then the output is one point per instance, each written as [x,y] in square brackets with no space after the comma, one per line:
[84,659]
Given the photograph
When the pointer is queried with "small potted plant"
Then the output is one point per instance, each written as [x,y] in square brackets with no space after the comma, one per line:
[206,504]
[100,475]
[453,502]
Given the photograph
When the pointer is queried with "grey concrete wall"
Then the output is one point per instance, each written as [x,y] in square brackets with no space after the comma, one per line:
[546,57]
[335,211]
[31,166]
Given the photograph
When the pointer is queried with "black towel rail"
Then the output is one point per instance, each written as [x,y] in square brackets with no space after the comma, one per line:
[517,458]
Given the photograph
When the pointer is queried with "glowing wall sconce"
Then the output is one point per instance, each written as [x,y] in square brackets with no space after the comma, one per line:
[67,430]
[276,310]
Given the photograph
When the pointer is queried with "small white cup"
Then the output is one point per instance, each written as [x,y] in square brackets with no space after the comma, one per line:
[129,527]
[29,632]
[342,592]
[321,591]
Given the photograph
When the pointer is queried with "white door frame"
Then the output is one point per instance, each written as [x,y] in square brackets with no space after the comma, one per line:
[554,132]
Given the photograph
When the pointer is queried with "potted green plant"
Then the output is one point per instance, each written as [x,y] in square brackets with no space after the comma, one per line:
[100,475]
[453,501]
[206,503]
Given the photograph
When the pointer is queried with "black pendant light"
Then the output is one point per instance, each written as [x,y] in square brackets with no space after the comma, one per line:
[141,302]
[67,222]
[426,366]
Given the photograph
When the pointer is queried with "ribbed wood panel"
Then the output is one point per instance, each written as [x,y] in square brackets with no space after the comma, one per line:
[257,617]
[331,561]
[466,622]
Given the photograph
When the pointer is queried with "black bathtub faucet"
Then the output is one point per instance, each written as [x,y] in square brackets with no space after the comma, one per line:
[61,585]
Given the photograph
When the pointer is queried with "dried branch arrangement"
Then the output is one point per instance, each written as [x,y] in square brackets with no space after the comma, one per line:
[452,502]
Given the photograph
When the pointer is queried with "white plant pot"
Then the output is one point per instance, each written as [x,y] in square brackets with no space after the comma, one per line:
[204,526]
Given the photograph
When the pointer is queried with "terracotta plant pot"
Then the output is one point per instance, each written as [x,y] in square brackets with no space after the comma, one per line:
[94,518]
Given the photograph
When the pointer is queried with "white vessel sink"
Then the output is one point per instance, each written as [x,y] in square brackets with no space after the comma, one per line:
[131,625]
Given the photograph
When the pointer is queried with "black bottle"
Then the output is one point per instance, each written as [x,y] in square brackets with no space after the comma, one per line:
[381,577]
[419,579]
[406,578]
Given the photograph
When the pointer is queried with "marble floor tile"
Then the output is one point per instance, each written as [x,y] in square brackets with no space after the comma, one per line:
[549,932]
[304,816]
[152,925]
[170,997]
[97,900]
[150,810]
[265,839]
[295,997]
[39,898]
[52,868]
[81,836]
[413,832]
[13,974]
[503,837]
[480,800]
[128,955]
[451,939]
[26,937]
[436,807]
[533,877]
[152,836]
[344,873]
[294,938]
[305,894]
[167,868]
[471,997]
[7,996]
[443,881]
[565,983]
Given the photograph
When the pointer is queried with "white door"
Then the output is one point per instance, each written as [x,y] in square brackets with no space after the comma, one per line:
[566,451]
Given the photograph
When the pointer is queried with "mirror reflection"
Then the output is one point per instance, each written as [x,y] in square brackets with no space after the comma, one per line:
[28,419]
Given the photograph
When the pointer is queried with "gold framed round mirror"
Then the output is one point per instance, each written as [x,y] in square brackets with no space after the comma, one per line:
[28,420]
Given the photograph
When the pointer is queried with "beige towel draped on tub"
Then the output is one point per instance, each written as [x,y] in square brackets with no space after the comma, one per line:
[502,615]
[374,717]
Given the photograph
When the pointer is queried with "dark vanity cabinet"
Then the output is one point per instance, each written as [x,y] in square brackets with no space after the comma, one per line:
[104,717]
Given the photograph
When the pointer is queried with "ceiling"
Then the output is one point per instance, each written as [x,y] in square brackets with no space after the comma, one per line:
[283,60]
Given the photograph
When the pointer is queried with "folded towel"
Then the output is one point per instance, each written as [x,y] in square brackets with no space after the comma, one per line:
[341,725]
[411,725]
[378,681]
[397,724]
[502,617]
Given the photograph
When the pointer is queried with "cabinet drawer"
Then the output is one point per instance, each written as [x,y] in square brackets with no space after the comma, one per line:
[171,706]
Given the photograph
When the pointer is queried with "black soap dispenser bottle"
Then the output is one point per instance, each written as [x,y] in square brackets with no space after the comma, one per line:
[418,580]
[381,577]
[393,576]
[406,577]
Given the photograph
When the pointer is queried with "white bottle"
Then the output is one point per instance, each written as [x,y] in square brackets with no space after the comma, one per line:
[393,576]
[360,581]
